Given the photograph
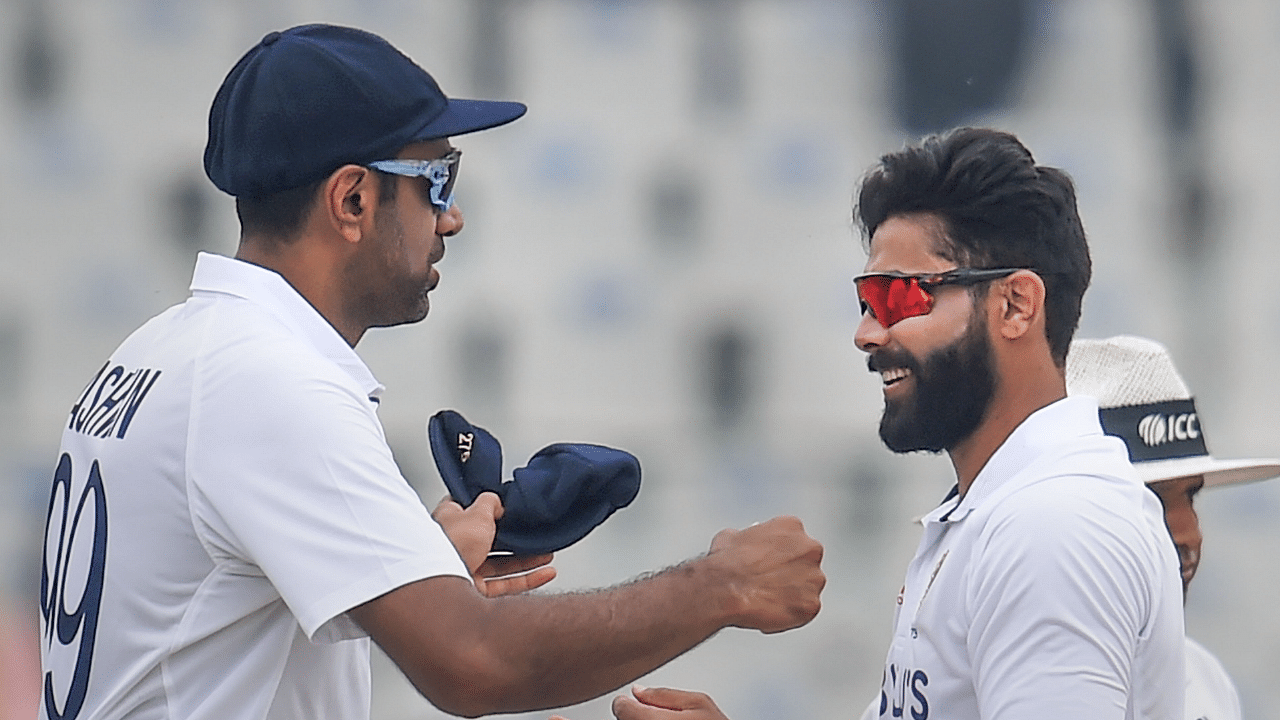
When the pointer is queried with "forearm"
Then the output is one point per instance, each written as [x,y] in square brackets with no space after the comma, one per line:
[580,645]
[473,655]
[531,652]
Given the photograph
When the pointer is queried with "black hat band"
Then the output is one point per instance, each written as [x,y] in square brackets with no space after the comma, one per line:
[1157,431]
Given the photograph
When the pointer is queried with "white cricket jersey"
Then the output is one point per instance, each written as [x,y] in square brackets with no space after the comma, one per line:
[1211,695]
[223,495]
[1050,590]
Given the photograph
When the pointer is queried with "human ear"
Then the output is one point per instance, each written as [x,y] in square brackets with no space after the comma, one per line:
[1021,297]
[348,194]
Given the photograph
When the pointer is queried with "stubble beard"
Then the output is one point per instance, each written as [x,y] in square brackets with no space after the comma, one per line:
[392,296]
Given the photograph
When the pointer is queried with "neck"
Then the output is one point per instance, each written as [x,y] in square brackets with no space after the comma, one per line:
[309,272]
[1032,386]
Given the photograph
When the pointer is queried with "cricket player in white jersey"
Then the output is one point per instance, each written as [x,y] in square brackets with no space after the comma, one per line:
[1045,585]
[227,527]
[1144,401]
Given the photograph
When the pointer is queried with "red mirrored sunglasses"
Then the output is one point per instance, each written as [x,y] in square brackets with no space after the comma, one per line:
[891,297]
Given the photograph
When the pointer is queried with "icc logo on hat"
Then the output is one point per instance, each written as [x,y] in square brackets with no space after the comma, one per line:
[1157,429]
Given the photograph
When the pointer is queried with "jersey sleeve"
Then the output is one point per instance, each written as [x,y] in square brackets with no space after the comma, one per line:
[1059,599]
[291,476]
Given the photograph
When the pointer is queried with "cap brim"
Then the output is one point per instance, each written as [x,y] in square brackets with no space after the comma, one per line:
[467,116]
[1215,472]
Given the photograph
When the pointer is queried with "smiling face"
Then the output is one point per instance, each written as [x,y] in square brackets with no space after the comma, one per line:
[1178,495]
[396,269]
[953,387]
[936,368]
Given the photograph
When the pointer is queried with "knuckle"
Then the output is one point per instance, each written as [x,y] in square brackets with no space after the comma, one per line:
[790,523]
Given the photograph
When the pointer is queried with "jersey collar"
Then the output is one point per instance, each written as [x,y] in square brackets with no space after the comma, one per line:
[270,291]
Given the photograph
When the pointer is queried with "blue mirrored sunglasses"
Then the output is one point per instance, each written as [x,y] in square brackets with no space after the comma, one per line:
[442,173]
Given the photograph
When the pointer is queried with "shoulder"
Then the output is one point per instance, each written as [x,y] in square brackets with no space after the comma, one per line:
[245,350]
[256,381]
[1077,518]
[1049,473]
[1077,551]
[1073,499]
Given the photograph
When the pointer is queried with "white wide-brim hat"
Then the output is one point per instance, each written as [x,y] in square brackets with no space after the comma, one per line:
[1143,401]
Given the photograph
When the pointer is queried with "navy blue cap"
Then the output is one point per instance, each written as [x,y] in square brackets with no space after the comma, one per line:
[305,101]
[565,491]
[468,457]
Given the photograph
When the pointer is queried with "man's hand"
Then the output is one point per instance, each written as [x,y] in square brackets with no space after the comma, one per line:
[773,573]
[471,530]
[663,704]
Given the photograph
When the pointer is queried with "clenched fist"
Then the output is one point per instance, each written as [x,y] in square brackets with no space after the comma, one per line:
[771,572]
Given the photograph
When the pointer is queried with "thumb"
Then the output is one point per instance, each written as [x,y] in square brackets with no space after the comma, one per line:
[447,507]
[489,504]
[625,708]
[669,698]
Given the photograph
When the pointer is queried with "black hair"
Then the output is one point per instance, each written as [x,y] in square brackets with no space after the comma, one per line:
[997,208]
[280,216]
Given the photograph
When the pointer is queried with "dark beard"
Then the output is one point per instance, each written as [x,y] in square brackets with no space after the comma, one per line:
[953,388]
